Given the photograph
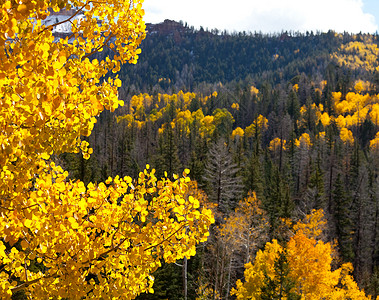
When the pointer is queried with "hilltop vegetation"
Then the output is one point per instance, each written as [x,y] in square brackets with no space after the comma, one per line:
[179,56]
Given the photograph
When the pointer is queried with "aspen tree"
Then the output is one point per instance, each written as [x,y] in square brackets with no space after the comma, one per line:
[96,241]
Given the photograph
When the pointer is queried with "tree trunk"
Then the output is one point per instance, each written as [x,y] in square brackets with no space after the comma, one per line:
[185,280]
[229,273]
[330,188]
[216,275]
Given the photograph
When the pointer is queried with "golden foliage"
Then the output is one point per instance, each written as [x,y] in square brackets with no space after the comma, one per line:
[374,143]
[374,113]
[312,225]
[346,136]
[145,108]
[353,111]
[207,126]
[255,273]
[277,143]
[321,136]
[246,227]
[325,119]
[259,124]
[114,232]
[205,292]
[356,55]
[237,132]
[309,262]
[304,141]
[254,90]
[235,106]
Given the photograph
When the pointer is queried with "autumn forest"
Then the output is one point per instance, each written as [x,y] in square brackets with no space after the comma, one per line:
[159,161]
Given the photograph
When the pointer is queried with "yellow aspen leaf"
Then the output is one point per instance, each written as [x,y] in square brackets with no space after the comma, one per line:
[8,5]
[24,244]
[117,82]
[22,8]
[28,223]
[45,156]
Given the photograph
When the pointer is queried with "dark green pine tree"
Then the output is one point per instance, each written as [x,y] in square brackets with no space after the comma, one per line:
[198,148]
[326,99]
[197,164]
[316,185]
[359,200]
[277,200]
[293,108]
[168,280]
[167,284]
[126,161]
[281,285]
[167,159]
[253,176]
[373,196]
[86,170]
[342,205]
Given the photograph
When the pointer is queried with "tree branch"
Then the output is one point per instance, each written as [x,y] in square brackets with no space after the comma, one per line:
[67,20]
[165,239]
[27,283]
[98,48]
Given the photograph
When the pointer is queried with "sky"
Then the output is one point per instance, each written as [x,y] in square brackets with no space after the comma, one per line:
[269,16]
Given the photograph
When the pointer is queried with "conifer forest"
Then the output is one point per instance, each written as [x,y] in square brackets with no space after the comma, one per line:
[158,161]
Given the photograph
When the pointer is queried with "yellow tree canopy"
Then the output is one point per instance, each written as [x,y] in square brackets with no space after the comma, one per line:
[258,125]
[346,136]
[358,54]
[304,141]
[60,238]
[276,144]
[374,143]
[237,132]
[325,119]
[309,261]
[246,227]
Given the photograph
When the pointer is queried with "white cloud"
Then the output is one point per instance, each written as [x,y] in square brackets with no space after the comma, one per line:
[266,16]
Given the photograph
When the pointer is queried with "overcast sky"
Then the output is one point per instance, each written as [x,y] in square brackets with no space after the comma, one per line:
[269,15]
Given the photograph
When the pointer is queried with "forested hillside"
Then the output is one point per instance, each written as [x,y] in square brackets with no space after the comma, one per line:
[274,129]
[156,161]
[179,56]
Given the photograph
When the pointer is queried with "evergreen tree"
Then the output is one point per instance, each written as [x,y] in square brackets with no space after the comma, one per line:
[86,170]
[253,176]
[281,285]
[277,200]
[293,108]
[167,158]
[315,191]
[343,220]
